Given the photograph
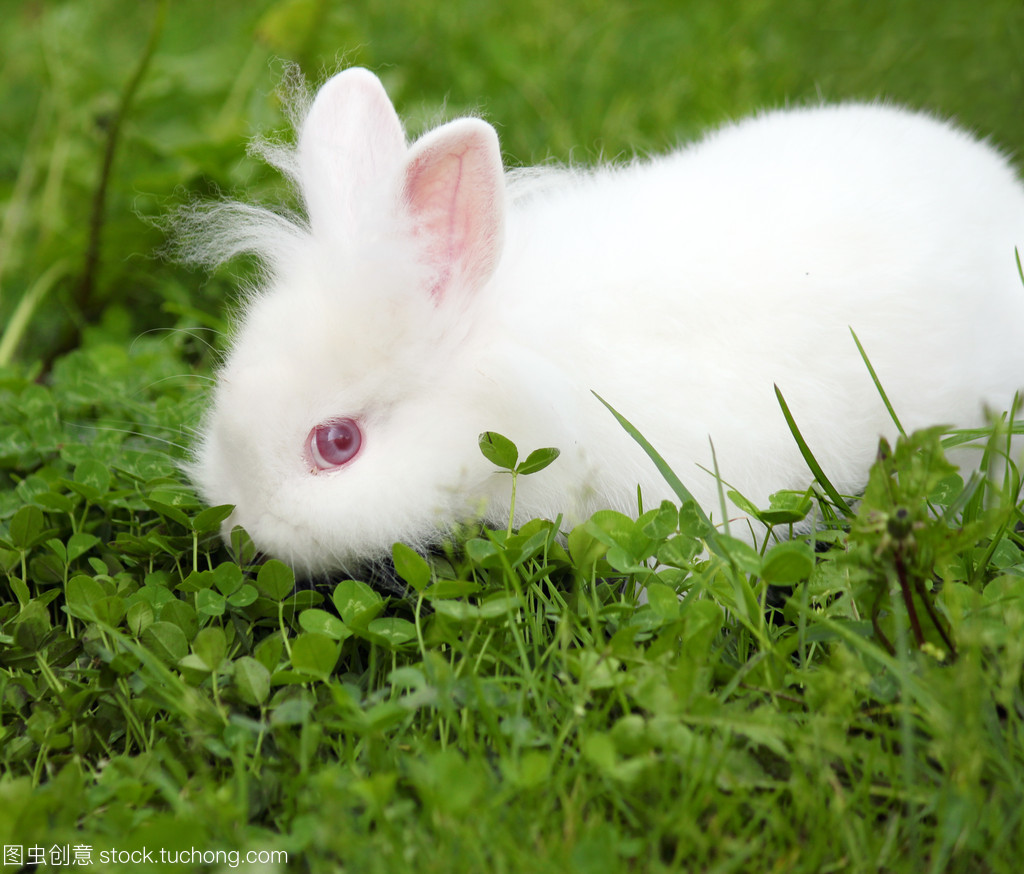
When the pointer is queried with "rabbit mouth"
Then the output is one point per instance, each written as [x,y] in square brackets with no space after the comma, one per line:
[314,560]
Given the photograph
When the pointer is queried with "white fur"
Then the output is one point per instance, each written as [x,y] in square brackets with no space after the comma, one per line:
[679,288]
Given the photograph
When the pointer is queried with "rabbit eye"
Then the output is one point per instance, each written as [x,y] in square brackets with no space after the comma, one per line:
[334,443]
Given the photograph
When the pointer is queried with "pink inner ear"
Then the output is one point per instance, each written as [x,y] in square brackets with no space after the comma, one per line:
[436,192]
[454,193]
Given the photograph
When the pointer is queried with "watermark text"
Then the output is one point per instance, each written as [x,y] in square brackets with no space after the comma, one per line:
[85,854]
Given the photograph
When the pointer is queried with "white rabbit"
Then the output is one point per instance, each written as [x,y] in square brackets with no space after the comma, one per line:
[431,297]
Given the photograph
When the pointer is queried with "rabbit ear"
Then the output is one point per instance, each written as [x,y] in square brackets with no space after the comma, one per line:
[350,141]
[455,195]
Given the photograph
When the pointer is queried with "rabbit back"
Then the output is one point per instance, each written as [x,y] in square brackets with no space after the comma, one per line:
[684,288]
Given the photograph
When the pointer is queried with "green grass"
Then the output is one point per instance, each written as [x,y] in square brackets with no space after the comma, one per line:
[520,709]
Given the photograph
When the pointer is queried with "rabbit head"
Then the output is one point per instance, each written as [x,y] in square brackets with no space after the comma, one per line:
[345,415]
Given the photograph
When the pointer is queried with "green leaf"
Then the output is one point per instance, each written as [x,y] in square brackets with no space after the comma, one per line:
[531,770]
[451,589]
[741,554]
[679,551]
[228,578]
[211,646]
[599,749]
[95,476]
[269,651]
[275,580]
[155,593]
[182,615]
[139,615]
[208,521]
[460,611]
[20,590]
[166,641]
[60,503]
[499,605]
[660,523]
[746,506]
[411,566]
[196,581]
[109,610]
[291,711]
[169,512]
[704,620]
[449,783]
[252,680]
[786,508]
[243,550]
[407,677]
[586,549]
[82,592]
[663,601]
[325,623]
[315,654]
[485,553]
[618,530]
[124,663]
[499,450]
[31,626]
[357,603]
[692,521]
[210,603]
[79,544]
[59,549]
[537,460]
[193,669]
[27,527]
[383,716]
[788,563]
[395,631]
[244,596]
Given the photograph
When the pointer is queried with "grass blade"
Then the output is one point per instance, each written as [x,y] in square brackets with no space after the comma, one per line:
[812,462]
[665,470]
[878,384]
[19,321]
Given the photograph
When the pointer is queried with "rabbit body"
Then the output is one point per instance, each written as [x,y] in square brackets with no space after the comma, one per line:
[432,298]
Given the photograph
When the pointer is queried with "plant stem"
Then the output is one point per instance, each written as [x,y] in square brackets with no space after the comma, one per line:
[908,597]
[87,283]
[936,621]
